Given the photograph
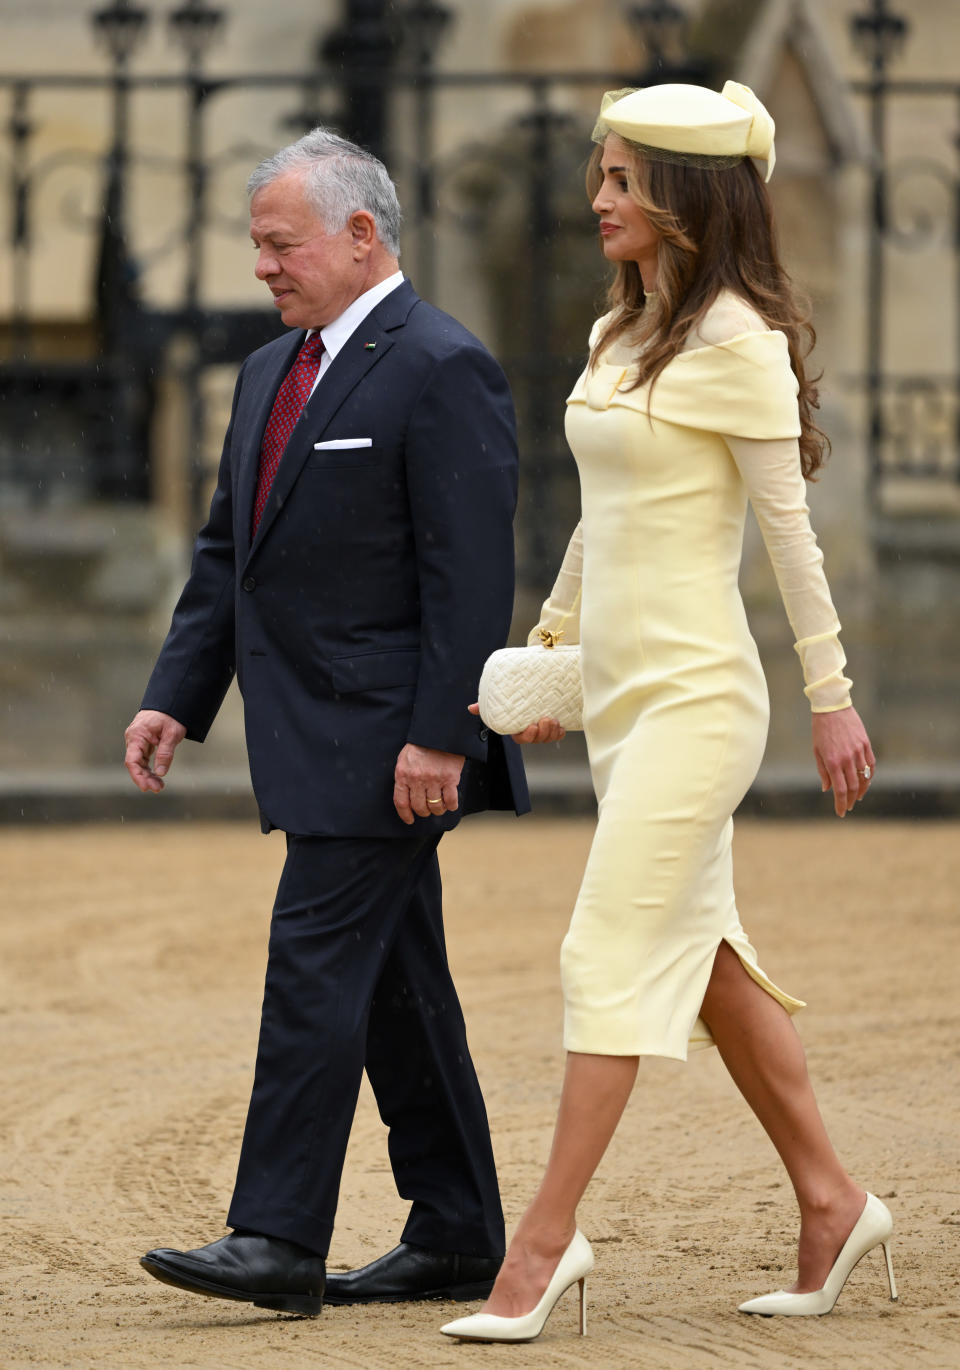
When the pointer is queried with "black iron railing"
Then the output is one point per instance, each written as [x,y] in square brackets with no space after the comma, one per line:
[504,208]
[914,419]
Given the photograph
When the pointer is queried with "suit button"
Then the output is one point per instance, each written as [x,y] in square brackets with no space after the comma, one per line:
[484,734]
[249,584]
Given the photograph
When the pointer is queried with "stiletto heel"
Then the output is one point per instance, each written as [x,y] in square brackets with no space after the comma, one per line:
[574,1266]
[890,1280]
[872,1228]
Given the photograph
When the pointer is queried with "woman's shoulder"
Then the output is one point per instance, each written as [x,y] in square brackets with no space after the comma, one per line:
[730,316]
[622,351]
[598,327]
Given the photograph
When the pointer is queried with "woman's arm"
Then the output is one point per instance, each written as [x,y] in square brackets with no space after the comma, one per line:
[561,609]
[560,616]
[770,469]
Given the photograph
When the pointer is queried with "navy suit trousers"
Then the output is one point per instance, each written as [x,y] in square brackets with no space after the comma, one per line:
[357,978]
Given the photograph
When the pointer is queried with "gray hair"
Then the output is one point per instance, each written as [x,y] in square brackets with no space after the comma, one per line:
[339,178]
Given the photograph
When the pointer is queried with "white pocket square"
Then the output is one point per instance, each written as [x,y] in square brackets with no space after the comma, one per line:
[333,444]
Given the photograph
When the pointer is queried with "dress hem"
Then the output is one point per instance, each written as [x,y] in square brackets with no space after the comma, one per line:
[698,1037]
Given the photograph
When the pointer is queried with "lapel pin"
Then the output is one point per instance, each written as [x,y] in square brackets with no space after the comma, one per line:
[368,347]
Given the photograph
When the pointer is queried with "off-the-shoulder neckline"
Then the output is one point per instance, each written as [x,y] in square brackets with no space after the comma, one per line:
[725,296]
[698,351]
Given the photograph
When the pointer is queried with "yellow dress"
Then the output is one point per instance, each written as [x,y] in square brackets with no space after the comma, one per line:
[675,702]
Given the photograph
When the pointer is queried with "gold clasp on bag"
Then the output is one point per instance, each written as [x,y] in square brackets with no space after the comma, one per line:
[549,639]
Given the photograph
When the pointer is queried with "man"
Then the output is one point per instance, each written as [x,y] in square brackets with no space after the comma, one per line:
[355,571]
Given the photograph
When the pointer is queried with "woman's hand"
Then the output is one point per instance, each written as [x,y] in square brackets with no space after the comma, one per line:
[844,757]
[547,730]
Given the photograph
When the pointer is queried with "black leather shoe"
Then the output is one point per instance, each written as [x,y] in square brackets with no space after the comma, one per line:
[266,1271]
[412,1272]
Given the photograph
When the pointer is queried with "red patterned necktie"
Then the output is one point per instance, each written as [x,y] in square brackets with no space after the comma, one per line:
[287,408]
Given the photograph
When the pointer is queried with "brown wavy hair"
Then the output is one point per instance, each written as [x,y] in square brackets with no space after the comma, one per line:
[716,233]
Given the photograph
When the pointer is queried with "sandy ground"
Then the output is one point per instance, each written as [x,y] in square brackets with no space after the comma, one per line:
[132,966]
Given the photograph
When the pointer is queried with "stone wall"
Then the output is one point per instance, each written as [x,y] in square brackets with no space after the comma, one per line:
[72,663]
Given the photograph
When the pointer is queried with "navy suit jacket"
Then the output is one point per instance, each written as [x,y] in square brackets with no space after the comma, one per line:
[379,580]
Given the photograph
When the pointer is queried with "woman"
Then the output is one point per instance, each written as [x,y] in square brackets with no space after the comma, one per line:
[695,398]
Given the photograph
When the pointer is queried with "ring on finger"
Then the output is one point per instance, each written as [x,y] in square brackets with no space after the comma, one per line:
[866,772]
[434,801]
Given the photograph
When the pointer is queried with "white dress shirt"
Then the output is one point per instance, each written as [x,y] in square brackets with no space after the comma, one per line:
[335,334]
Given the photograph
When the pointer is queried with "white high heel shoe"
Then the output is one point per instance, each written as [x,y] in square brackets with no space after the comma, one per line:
[872,1228]
[575,1265]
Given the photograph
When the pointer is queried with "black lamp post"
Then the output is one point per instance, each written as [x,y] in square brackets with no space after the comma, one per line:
[879,36]
[423,23]
[120,28]
[661,27]
[312,111]
[363,48]
[20,128]
[194,27]
[544,124]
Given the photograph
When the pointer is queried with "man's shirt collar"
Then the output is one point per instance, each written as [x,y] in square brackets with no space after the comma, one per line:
[335,334]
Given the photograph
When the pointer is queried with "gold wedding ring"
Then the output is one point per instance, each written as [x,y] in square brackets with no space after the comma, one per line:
[434,801]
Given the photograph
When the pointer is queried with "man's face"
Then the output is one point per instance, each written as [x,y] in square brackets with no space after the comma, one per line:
[312,275]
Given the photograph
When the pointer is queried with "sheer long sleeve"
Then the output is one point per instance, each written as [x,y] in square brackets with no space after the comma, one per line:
[770,469]
[561,610]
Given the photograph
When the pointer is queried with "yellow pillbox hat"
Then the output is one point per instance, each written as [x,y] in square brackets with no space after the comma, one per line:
[695,123]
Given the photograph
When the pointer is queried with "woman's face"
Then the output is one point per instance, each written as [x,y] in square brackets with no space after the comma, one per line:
[626,232]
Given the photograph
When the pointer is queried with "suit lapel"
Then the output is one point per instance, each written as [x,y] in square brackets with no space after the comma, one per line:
[354,361]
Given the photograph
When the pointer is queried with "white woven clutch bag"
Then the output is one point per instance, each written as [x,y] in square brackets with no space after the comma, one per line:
[521,685]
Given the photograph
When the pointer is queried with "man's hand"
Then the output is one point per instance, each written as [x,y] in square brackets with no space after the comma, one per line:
[151,732]
[425,782]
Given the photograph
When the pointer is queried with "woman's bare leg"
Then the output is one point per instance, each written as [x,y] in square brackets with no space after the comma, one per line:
[595,1093]
[764,1055]
[761,1049]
